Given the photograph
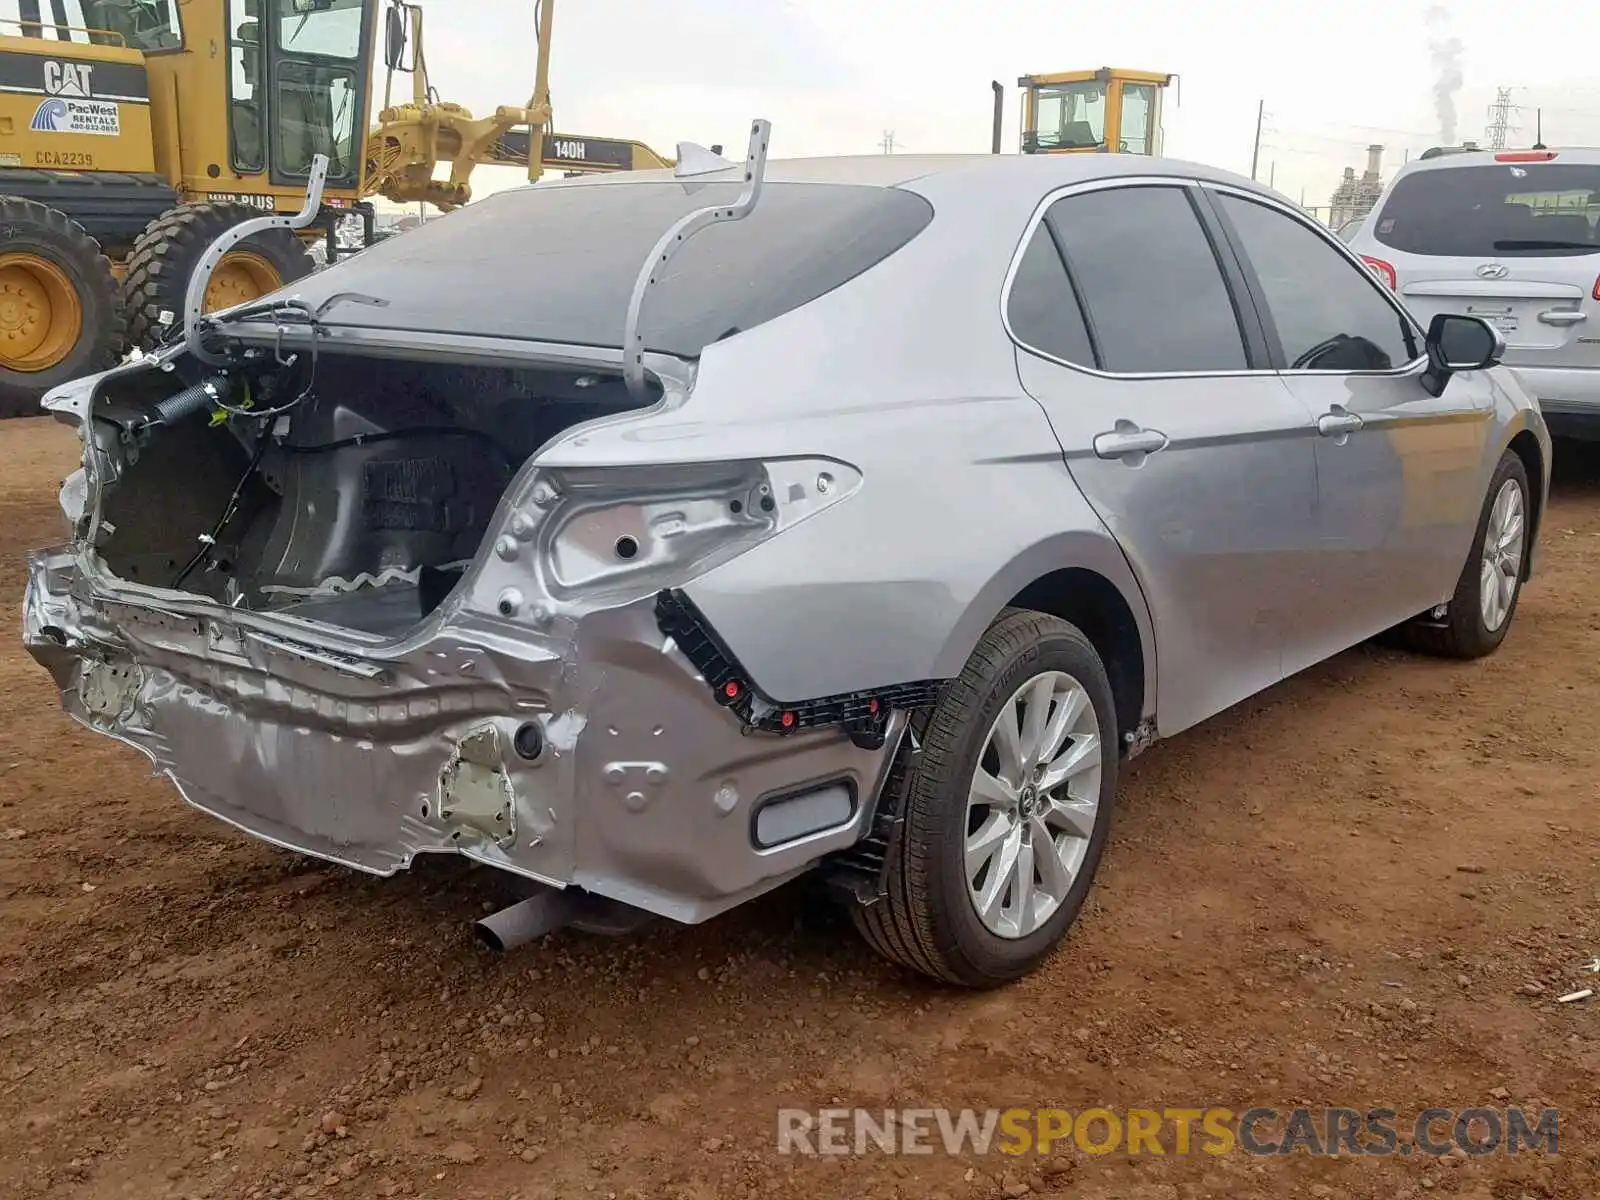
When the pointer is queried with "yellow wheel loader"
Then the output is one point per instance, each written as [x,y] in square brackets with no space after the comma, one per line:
[1106,111]
[133,132]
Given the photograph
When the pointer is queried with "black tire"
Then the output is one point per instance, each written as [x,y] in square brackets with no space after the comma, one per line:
[927,921]
[1463,633]
[46,233]
[165,255]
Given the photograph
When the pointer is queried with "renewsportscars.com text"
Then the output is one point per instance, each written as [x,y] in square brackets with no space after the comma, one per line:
[1254,1131]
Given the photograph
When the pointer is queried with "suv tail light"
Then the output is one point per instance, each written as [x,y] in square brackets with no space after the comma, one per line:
[1384,271]
[1595,291]
[1526,156]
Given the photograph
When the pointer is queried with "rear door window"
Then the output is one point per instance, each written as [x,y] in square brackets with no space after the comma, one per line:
[1508,209]
[1156,299]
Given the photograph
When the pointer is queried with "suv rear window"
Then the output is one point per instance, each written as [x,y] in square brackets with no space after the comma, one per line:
[1516,209]
[558,263]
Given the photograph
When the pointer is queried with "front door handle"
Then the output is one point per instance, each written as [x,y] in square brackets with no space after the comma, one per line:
[1562,316]
[1127,440]
[1338,421]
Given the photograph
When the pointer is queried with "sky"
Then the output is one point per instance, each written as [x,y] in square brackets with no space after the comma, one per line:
[834,75]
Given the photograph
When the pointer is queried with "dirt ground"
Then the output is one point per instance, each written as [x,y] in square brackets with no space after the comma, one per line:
[1365,888]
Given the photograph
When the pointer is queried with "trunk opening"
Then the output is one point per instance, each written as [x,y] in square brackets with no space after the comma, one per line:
[362,505]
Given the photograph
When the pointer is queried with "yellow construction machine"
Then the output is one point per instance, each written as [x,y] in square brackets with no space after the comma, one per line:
[1086,112]
[133,132]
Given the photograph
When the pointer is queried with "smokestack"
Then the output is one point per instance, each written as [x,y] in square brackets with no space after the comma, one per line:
[1445,50]
[1374,160]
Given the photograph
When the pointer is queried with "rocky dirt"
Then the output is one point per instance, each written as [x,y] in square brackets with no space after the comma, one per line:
[1364,889]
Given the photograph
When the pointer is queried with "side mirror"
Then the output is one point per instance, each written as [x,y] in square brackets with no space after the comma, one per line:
[394,38]
[1457,342]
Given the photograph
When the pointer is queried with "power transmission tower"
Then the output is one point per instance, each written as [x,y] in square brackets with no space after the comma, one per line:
[888,141]
[1500,122]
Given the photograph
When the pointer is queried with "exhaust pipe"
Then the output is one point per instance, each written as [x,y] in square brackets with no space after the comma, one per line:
[550,909]
[999,112]
[542,913]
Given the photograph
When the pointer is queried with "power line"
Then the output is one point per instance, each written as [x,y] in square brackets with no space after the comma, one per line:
[887,144]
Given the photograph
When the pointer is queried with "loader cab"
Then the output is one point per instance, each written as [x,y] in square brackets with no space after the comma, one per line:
[1088,112]
[298,77]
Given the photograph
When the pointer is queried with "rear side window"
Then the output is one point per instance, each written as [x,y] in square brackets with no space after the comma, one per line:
[1328,312]
[1150,281]
[1042,309]
[557,262]
[1508,209]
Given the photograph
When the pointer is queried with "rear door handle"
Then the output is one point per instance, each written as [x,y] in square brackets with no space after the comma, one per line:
[1338,420]
[1562,316]
[1128,439]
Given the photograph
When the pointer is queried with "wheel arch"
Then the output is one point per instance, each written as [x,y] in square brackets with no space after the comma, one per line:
[1525,445]
[1084,579]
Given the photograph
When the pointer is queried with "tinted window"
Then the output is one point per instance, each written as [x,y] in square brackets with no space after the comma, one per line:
[1494,211]
[1329,314]
[557,262]
[1044,313]
[1150,281]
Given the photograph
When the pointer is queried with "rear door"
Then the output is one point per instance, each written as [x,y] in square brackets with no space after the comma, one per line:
[1150,365]
[1510,238]
[1399,472]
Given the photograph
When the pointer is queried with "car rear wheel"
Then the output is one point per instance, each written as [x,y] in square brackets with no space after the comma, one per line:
[1479,613]
[1006,809]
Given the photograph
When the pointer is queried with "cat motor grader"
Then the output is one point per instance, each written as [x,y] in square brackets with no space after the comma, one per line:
[134,132]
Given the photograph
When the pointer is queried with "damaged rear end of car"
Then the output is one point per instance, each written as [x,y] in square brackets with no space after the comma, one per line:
[325,566]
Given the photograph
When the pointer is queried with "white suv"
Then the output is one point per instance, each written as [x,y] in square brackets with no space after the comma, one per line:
[1510,236]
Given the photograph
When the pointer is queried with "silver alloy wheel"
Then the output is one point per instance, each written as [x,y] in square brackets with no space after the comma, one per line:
[1032,804]
[1502,555]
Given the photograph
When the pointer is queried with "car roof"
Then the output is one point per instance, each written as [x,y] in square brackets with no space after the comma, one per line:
[980,171]
[489,257]
[1451,158]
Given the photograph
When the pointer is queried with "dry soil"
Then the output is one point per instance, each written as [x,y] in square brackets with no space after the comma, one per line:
[1364,888]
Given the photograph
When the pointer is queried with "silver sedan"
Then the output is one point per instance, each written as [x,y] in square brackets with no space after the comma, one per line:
[864,540]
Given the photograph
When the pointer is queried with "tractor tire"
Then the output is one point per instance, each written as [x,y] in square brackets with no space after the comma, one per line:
[165,255]
[59,317]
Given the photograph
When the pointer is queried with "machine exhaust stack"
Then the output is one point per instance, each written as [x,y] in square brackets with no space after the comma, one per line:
[999,113]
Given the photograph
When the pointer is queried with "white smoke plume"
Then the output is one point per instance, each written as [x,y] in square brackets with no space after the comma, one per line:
[1446,50]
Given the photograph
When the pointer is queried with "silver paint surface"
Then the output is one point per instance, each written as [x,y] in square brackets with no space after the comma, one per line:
[927,470]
